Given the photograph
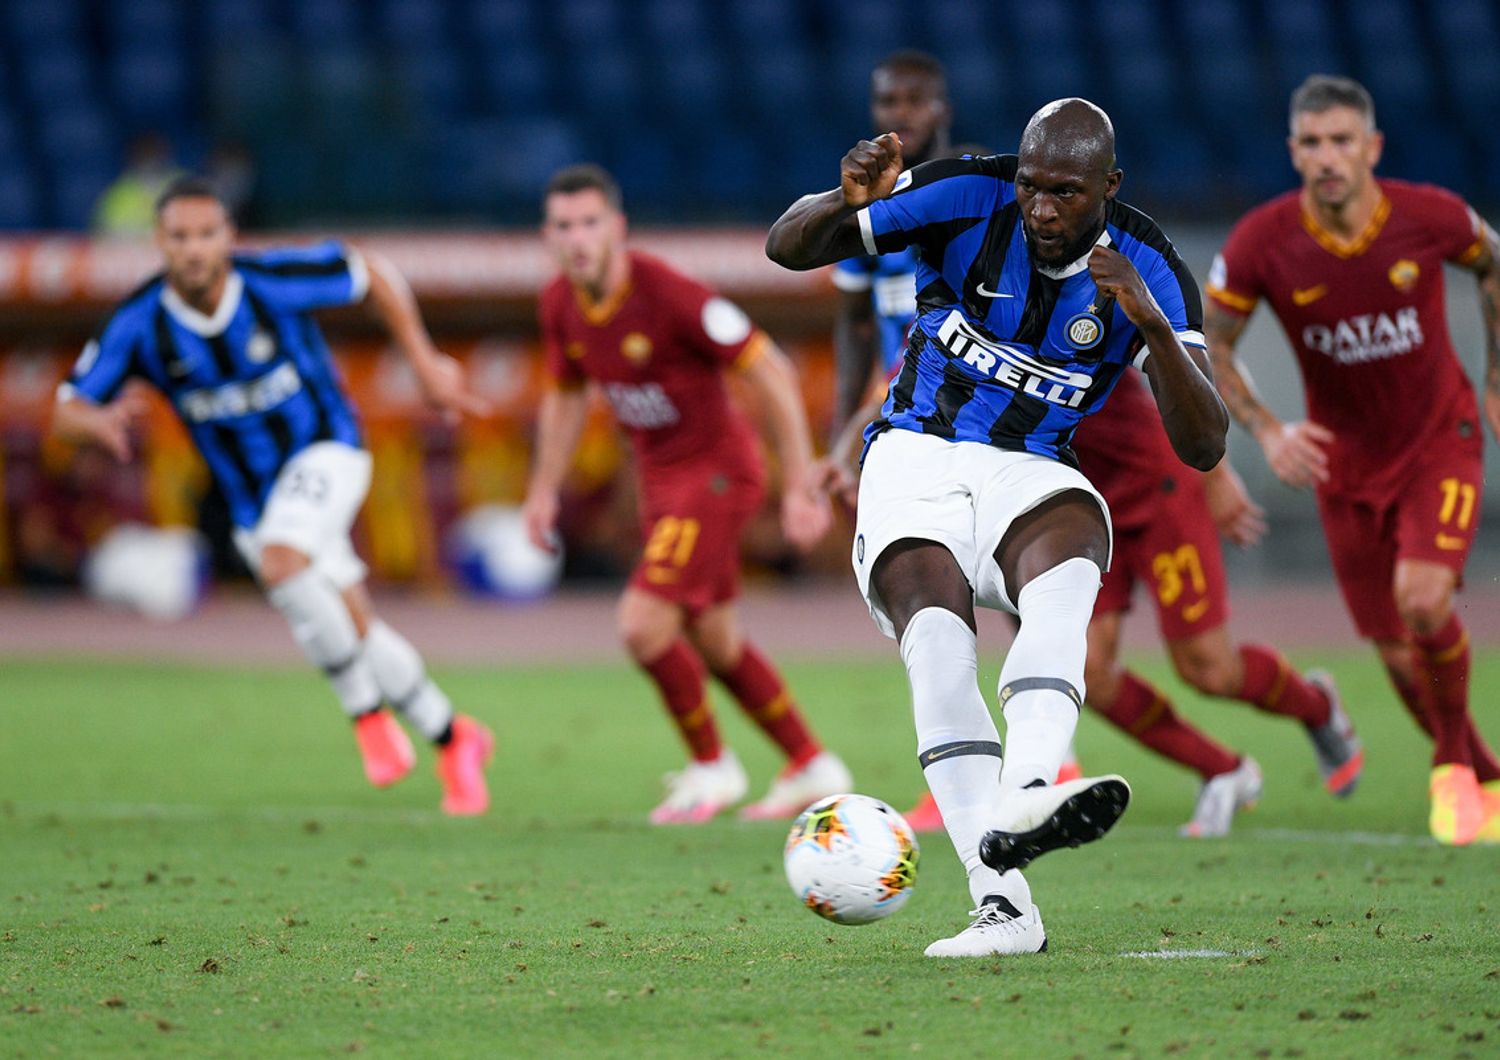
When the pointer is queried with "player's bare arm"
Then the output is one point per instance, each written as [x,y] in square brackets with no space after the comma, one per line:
[1239,519]
[804,509]
[835,473]
[77,419]
[1191,409]
[1294,451]
[560,423]
[821,229]
[855,343]
[440,376]
[1487,267]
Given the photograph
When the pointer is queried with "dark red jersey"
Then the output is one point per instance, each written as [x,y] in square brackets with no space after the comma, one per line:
[1367,321]
[658,353]
[1124,450]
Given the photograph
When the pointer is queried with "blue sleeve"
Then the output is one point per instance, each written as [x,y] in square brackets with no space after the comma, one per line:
[1175,290]
[303,278]
[931,205]
[107,361]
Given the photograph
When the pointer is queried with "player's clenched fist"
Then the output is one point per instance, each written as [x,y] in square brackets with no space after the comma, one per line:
[1117,278]
[869,170]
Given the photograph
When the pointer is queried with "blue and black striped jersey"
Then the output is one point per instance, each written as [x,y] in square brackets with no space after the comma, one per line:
[254,383]
[1003,351]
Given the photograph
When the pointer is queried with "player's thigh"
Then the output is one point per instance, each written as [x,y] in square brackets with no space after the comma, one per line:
[1362,545]
[311,509]
[1180,557]
[1437,517]
[691,555]
[914,543]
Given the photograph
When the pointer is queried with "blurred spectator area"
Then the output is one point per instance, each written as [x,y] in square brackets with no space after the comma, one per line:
[722,110]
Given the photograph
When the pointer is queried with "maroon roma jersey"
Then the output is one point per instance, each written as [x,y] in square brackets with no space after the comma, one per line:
[658,351]
[1367,321]
[1124,451]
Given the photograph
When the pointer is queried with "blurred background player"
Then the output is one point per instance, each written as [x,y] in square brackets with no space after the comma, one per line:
[657,344]
[1037,287]
[229,340]
[1352,266]
[1164,518]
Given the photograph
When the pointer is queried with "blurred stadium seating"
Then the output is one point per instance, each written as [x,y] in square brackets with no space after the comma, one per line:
[448,110]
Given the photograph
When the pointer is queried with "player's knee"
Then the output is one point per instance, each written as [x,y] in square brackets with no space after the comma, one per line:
[1210,674]
[644,637]
[1424,609]
[1102,679]
[280,562]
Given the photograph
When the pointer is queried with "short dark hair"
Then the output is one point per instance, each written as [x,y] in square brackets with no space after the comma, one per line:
[583,177]
[918,61]
[1322,91]
[191,186]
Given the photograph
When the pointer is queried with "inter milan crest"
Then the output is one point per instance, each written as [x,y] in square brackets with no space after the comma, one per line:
[1084,330]
[261,347]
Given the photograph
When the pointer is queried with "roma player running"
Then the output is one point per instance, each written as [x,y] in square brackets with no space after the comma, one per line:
[1352,266]
[230,340]
[1036,288]
[658,344]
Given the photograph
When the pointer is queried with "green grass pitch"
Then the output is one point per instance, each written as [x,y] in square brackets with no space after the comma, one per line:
[191,863]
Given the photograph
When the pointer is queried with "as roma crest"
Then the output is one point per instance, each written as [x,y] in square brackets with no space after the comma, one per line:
[636,347]
[1404,274]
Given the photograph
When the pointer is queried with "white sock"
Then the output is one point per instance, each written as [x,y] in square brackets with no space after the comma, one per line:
[1041,683]
[404,682]
[322,626]
[958,746]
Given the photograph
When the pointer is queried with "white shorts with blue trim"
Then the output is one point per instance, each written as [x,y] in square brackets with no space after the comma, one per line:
[311,508]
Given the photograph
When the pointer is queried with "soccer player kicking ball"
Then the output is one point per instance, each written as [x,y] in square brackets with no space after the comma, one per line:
[1035,289]
[1352,265]
[657,344]
[229,339]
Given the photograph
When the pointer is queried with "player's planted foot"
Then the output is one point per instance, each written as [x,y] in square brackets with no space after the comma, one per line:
[1221,798]
[461,765]
[791,792]
[1047,818]
[925,815]
[384,746]
[1457,805]
[702,790]
[999,929]
[1341,756]
[1489,830]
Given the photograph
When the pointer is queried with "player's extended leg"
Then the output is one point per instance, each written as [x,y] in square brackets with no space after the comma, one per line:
[1262,677]
[1424,598]
[464,745]
[1050,559]
[811,773]
[930,604]
[652,630]
[328,634]
[1231,782]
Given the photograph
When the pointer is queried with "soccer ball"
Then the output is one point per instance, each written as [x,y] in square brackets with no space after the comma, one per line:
[851,859]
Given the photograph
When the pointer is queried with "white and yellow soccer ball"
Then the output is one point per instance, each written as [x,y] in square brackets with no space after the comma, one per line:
[851,859]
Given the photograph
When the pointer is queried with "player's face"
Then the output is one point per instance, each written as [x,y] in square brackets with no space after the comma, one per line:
[584,233]
[195,237]
[910,104]
[1062,206]
[1335,152]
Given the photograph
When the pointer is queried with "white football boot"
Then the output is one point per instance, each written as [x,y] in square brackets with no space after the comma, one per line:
[998,930]
[1221,797]
[1048,817]
[702,790]
[790,793]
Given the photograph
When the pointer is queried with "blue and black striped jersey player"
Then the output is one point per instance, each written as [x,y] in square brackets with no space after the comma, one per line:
[1036,288]
[230,340]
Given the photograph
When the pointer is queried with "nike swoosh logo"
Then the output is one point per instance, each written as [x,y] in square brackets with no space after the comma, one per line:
[946,751]
[1309,295]
[1449,543]
[991,294]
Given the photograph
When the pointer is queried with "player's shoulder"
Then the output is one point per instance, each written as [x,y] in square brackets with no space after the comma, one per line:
[135,311]
[655,277]
[998,168]
[555,295]
[1412,197]
[294,260]
[1136,233]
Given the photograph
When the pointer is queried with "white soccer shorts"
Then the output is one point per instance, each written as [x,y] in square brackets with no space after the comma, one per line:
[311,508]
[962,495]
